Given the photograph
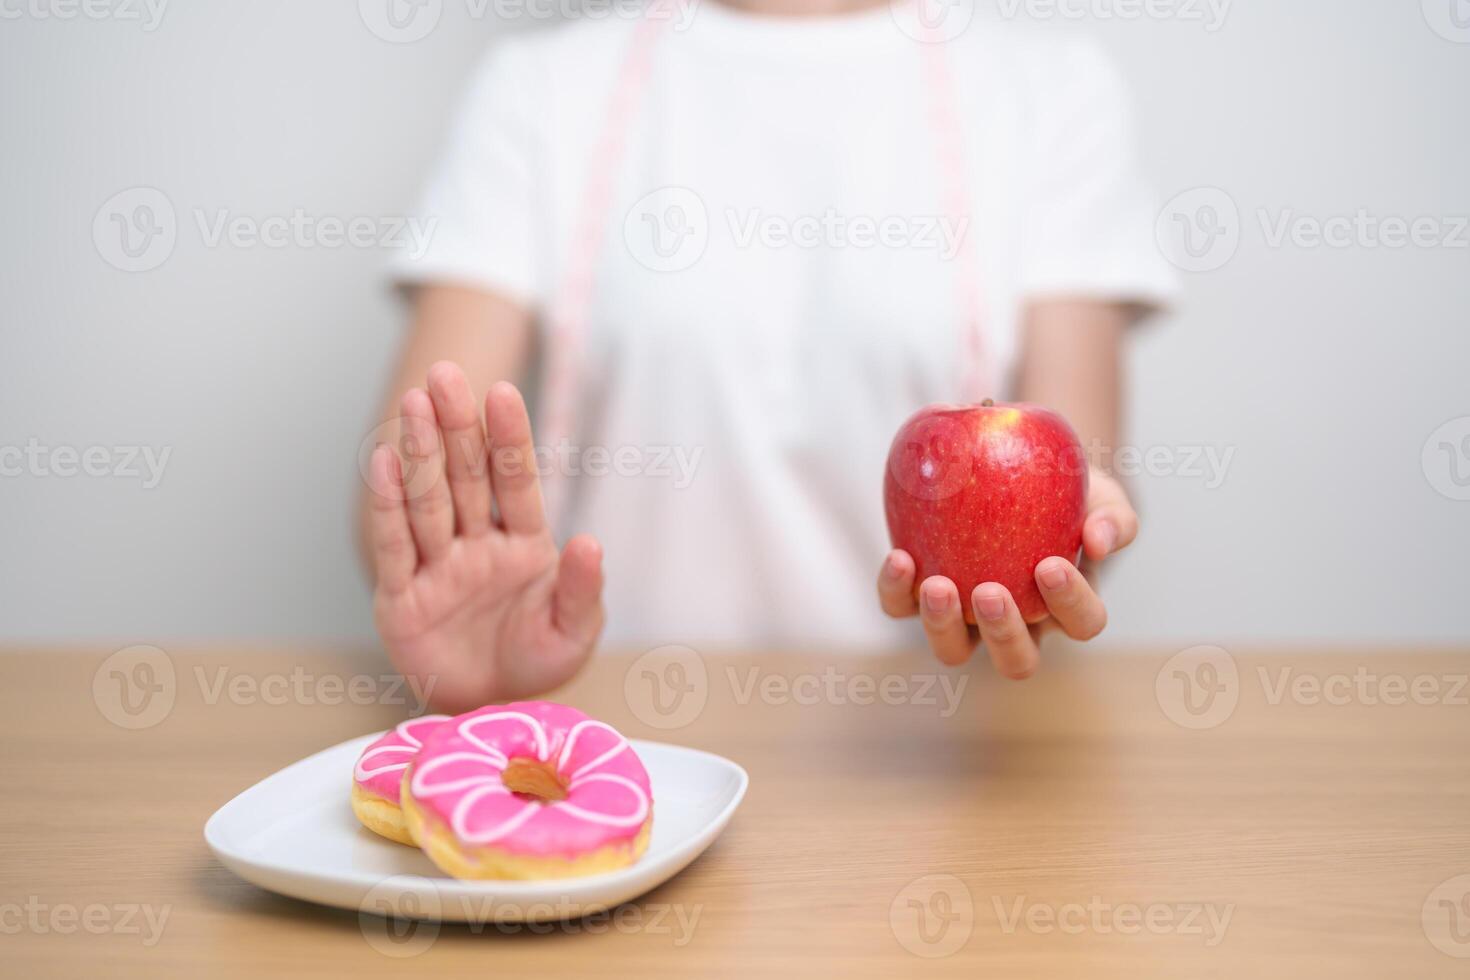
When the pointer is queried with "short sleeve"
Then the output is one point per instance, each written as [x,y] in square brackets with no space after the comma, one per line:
[1089,228]
[482,196]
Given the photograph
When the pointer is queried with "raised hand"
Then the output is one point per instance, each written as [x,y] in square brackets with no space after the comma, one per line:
[1074,607]
[481,609]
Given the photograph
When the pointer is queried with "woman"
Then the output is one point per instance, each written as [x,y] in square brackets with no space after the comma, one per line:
[738,244]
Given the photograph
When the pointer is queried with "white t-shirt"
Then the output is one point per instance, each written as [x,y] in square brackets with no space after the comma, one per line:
[775,291]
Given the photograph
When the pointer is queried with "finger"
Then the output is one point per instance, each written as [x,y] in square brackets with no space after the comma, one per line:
[464,446]
[944,620]
[1004,632]
[896,585]
[1111,523]
[578,598]
[1070,599]
[394,556]
[430,510]
[513,477]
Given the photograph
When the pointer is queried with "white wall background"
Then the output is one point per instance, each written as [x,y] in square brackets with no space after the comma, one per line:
[1324,369]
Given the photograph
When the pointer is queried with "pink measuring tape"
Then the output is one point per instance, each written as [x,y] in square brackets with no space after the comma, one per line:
[567,321]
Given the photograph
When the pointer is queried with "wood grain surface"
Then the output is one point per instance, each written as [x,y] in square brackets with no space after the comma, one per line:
[1263,813]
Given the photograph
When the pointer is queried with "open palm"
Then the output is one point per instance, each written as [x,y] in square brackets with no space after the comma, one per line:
[475,609]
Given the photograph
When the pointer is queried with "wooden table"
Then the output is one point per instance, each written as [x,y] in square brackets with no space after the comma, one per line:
[1307,826]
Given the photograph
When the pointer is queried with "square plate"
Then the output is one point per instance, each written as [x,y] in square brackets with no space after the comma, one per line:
[294,833]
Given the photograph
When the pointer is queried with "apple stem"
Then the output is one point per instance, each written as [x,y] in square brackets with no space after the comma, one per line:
[988,403]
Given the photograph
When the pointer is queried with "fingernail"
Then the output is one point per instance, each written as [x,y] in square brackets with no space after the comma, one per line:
[935,604]
[890,567]
[991,607]
[1109,535]
[1053,574]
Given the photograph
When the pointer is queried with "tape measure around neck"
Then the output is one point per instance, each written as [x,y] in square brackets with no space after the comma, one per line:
[571,304]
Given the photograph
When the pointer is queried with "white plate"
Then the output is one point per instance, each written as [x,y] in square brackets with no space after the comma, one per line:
[294,833]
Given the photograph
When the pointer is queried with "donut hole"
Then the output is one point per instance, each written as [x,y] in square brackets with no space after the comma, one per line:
[533,780]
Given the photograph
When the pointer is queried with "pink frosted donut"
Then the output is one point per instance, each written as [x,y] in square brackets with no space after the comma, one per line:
[378,776]
[530,789]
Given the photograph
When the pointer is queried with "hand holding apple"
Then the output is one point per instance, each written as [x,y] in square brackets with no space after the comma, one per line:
[995,502]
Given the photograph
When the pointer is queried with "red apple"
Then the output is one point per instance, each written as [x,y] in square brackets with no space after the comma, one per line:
[982,493]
